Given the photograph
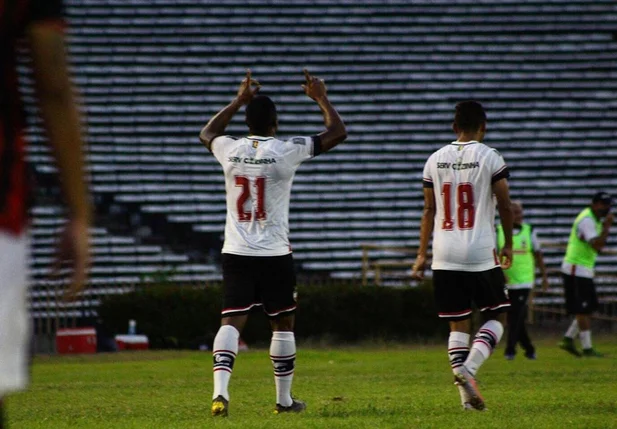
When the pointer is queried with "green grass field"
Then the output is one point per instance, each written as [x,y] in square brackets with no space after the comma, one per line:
[398,386]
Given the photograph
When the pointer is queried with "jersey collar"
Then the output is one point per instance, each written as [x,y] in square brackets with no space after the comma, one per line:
[259,138]
[457,143]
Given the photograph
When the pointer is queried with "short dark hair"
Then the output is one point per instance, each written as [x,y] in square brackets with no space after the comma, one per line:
[602,197]
[469,116]
[261,114]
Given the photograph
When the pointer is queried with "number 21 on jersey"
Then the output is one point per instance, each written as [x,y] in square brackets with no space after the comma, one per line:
[260,192]
[465,210]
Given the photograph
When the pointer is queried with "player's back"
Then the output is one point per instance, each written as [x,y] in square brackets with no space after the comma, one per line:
[462,175]
[259,172]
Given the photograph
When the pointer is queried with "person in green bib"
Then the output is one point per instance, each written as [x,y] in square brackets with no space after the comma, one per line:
[520,279]
[588,236]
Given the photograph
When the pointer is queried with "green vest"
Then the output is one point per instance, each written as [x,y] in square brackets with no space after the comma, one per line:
[580,252]
[523,266]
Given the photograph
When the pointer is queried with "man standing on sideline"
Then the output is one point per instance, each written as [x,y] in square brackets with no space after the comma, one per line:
[460,180]
[40,23]
[257,263]
[520,279]
[588,236]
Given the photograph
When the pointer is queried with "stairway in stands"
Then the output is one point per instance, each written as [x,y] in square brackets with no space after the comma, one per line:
[153,72]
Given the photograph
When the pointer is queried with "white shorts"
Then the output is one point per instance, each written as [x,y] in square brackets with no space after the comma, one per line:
[14,319]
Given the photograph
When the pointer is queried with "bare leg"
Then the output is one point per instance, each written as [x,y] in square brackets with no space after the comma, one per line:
[283,323]
[460,326]
[237,322]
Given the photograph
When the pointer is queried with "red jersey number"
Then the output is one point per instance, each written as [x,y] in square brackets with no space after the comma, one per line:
[260,192]
[465,210]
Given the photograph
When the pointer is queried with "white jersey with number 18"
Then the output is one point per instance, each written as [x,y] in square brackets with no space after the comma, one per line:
[462,175]
[259,172]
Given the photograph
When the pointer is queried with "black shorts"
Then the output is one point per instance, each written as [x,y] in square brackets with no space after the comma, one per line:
[455,291]
[580,294]
[250,281]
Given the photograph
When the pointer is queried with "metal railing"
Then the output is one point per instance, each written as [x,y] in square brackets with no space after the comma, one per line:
[391,266]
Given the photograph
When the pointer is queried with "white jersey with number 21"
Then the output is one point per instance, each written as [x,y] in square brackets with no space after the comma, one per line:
[462,175]
[259,172]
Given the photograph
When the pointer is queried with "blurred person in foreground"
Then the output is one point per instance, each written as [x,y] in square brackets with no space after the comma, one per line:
[460,182]
[258,267]
[40,24]
[588,237]
[520,279]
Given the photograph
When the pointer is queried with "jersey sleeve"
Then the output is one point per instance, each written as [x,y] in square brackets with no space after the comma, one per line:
[427,176]
[299,149]
[219,145]
[499,169]
[47,10]
[587,229]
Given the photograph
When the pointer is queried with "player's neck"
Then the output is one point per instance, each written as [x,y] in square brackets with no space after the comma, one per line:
[468,137]
[269,133]
[596,214]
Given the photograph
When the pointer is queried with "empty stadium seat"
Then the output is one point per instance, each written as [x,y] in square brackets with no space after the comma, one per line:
[152,72]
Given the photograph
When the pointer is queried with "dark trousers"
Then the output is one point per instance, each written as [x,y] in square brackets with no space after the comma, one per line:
[517,331]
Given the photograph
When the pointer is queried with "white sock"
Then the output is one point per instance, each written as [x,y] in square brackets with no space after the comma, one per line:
[585,337]
[458,350]
[224,353]
[483,345]
[283,356]
[572,330]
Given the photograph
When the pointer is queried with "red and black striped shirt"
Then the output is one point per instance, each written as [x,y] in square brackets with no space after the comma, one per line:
[15,17]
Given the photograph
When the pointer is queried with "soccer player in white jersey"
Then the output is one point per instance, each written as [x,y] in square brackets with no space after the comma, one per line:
[460,180]
[257,262]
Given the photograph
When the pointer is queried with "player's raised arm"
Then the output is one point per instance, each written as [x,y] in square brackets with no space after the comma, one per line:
[62,123]
[216,126]
[502,192]
[335,131]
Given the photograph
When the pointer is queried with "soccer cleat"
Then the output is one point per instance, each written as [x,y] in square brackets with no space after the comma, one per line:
[295,407]
[464,397]
[592,353]
[467,382]
[509,356]
[531,356]
[567,344]
[220,406]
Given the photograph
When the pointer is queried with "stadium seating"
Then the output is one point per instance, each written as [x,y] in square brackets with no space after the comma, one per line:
[153,72]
